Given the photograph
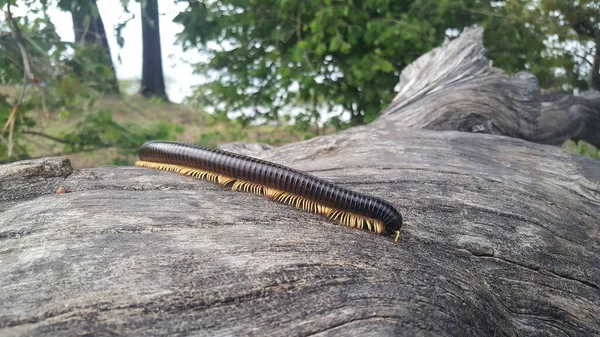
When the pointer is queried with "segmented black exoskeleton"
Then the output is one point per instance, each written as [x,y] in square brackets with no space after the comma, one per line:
[275,181]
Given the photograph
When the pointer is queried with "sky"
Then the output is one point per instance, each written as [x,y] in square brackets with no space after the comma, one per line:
[178,72]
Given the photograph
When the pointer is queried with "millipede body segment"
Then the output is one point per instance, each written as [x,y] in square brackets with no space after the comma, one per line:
[274,181]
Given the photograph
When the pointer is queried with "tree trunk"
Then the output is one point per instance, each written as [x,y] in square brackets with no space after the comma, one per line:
[153,82]
[89,31]
[501,235]
[595,82]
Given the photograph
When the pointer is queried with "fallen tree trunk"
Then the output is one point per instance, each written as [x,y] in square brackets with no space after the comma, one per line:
[455,87]
[501,238]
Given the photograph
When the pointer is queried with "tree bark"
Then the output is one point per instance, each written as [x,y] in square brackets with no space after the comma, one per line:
[153,82]
[501,237]
[595,78]
[89,31]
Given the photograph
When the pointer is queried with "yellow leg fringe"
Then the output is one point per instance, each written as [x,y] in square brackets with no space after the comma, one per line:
[345,218]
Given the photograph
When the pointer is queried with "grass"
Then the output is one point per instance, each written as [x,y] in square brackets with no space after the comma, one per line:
[582,148]
[198,127]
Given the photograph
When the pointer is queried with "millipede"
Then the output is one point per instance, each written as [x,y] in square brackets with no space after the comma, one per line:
[275,181]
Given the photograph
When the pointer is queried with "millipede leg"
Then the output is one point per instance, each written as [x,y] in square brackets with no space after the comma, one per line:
[345,217]
[222,180]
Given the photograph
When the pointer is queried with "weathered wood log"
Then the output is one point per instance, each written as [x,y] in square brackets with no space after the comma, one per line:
[569,117]
[455,87]
[248,149]
[502,237]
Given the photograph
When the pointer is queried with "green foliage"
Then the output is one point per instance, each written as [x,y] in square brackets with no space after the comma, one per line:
[64,87]
[215,132]
[583,149]
[234,131]
[5,109]
[43,45]
[511,42]
[211,138]
[99,130]
[576,24]
[92,67]
[543,38]
[336,53]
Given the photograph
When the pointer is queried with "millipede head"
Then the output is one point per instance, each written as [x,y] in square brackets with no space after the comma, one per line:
[393,226]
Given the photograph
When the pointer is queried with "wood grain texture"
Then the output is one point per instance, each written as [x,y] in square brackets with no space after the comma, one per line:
[501,238]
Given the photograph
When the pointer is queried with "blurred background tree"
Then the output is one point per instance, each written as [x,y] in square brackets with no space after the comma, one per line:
[274,70]
[577,22]
[91,45]
[153,81]
[547,38]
